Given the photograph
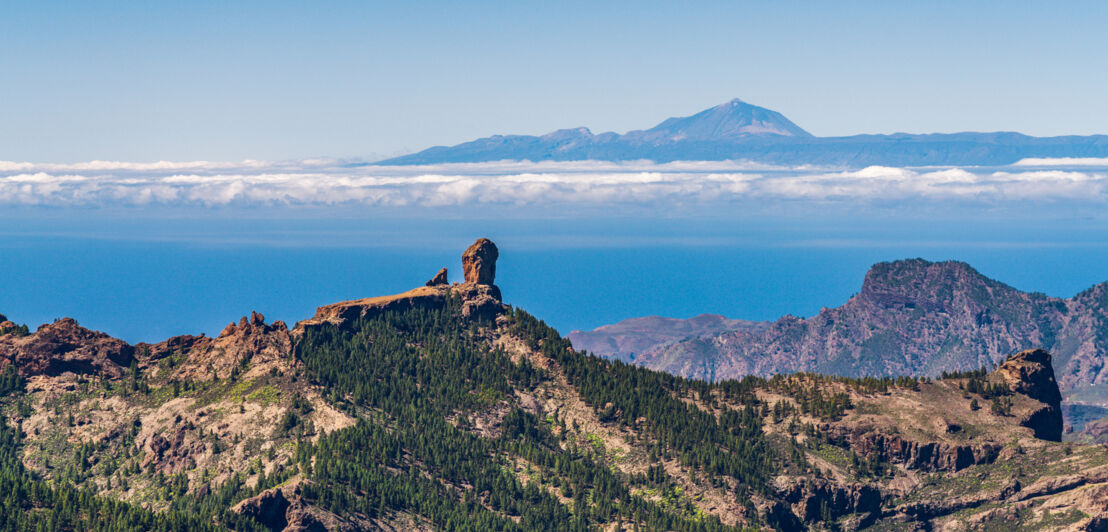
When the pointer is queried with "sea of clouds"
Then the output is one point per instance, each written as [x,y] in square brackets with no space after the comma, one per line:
[324,182]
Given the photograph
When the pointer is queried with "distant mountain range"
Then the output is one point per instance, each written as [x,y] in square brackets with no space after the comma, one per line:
[911,317]
[737,130]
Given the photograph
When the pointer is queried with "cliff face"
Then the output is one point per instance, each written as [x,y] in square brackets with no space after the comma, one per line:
[911,317]
[1030,373]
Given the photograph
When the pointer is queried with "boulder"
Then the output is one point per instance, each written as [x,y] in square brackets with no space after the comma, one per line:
[479,262]
[438,279]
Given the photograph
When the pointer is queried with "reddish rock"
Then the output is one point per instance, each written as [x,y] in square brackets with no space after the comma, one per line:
[926,456]
[202,358]
[174,454]
[65,346]
[438,279]
[479,262]
[811,498]
[283,509]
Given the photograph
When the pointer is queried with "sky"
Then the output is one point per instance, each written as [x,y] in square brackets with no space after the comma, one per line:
[165,168]
[230,81]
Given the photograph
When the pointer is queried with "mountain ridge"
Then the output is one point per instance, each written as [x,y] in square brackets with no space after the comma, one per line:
[443,408]
[910,317]
[736,130]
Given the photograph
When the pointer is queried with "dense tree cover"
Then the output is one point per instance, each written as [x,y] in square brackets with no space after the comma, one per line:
[986,389]
[415,377]
[10,381]
[731,443]
[978,373]
[17,330]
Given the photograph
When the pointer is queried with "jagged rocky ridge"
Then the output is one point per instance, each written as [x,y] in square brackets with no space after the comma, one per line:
[337,423]
[911,317]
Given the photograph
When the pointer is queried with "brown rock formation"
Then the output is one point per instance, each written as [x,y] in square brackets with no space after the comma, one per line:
[439,278]
[65,346]
[480,297]
[809,498]
[175,453]
[1030,373]
[479,262]
[204,358]
[912,454]
[344,311]
[283,509]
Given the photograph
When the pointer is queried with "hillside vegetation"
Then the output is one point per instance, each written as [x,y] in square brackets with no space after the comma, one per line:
[443,409]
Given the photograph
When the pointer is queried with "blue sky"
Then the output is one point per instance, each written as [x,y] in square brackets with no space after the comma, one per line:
[167,167]
[143,81]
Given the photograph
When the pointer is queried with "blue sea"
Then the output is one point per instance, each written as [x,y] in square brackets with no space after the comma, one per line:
[146,278]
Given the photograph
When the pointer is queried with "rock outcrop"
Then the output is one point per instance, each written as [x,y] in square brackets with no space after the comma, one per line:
[813,500]
[479,262]
[283,509]
[927,456]
[480,298]
[1030,373]
[64,346]
[438,279]
[175,452]
[202,358]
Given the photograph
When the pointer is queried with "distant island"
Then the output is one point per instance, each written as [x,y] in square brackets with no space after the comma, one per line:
[737,130]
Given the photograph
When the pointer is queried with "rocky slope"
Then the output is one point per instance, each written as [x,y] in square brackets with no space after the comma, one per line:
[443,408]
[626,339]
[911,317]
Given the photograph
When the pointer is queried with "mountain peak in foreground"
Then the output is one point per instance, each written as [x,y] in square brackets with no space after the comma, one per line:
[444,408]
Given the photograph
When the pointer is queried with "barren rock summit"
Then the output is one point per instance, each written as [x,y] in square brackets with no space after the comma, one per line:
[438,279]
[479,296]
[479,262]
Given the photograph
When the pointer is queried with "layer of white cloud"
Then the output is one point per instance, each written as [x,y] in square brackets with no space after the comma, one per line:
[1063,161]
[514,183]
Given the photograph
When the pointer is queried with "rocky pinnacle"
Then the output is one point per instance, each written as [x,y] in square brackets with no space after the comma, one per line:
[479,262]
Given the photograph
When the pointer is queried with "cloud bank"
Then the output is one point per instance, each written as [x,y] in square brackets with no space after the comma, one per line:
[328,182]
